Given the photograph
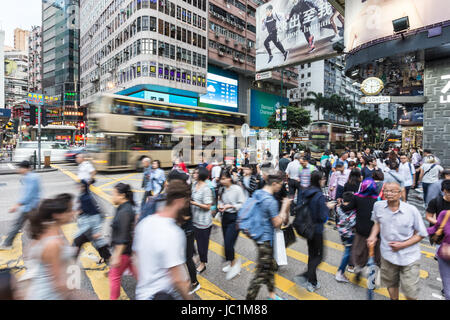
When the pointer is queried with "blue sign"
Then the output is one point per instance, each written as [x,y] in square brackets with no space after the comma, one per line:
[5,113]
[262,106]
[222,91]
[165,97]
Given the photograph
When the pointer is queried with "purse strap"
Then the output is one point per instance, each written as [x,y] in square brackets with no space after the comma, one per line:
[444,222]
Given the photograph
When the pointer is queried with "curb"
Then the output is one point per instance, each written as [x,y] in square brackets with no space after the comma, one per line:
[10,172]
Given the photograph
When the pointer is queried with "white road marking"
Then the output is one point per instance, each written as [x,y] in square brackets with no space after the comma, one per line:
[11,166]
[439,279]
[437,296]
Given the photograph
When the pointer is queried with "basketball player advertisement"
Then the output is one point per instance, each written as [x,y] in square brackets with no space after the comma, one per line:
[289,32]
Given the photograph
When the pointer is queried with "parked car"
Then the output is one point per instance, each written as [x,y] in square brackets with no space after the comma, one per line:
[25,151]
[72,153]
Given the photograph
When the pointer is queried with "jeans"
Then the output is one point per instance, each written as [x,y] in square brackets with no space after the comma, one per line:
[115,275]
[189,254]
[347,253]
[315,257]
[18,224]
[202,238]
[293,186]
[230,234]
[300,195]
[407,192]
[444,270]
[425,191]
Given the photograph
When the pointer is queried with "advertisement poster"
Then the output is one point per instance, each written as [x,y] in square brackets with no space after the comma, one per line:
[368,20]
[263,105]
[292,31]
[410,116]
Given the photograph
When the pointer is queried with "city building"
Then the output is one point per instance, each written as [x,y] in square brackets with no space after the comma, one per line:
[16,78]
[232,36]
[60,56]
[21,39]
[2,69]
[34,60]
[156,50]
[326,77]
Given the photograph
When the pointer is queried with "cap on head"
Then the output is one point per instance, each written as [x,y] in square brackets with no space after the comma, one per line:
[177,175]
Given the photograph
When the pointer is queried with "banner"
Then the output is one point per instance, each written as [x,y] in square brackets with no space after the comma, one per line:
[293,31]
[410,116]
[262,106]
[369,20]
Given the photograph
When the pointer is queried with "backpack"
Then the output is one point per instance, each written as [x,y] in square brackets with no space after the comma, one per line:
[303,222]
[249,219]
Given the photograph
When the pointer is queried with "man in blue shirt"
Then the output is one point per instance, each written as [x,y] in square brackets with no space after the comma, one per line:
[31,195]
[343,160]
[266,265]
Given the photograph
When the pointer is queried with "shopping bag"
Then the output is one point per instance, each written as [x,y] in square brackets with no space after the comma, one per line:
[279,249]
[289,235]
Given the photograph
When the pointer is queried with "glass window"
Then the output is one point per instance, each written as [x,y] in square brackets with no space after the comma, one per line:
[161,26]
[139,24]
[145,23]
[183,15]
[172,31]
[179,33]
[166,28]
[184,35]
[138,71]
[178,12]
[189,37]
[145,3]
[172,9]
[145,70]
[152,69]
[189,17]
[166,72]
[153,22]
[178,53]
[194,19]
[172,52]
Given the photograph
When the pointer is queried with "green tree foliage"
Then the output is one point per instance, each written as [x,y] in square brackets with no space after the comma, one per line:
[298,119]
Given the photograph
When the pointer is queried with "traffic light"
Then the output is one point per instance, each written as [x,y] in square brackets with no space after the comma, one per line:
[82,125]
[32,116]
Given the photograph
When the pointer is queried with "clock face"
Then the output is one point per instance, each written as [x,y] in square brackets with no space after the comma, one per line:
[372,86]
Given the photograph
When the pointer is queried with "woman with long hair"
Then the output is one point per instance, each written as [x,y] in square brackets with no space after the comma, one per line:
[354,181]
[121,237]
[363,202]
[231,199]
[319,209]
[49,250]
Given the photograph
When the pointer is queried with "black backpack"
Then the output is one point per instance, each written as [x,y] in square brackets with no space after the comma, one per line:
[303,222]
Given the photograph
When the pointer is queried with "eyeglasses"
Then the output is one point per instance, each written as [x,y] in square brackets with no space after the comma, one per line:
[391,191]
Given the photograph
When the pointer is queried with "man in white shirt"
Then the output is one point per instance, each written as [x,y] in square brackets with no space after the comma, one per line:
[408,172]
[215,173]
[160,249]
[86,170]
[293,175]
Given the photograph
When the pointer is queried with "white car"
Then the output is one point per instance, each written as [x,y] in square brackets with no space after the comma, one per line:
[25,151]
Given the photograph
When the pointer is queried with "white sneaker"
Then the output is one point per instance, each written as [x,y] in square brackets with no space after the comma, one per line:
[340,277]
[226,268]
[234,270]
[195,287]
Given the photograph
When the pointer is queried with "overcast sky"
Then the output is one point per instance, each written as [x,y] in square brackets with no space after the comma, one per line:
[19,14]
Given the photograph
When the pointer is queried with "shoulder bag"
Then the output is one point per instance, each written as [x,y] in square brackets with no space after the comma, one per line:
[438,236]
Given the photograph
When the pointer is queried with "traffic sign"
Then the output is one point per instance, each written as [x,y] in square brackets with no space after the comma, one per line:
[263,75]
[245,130]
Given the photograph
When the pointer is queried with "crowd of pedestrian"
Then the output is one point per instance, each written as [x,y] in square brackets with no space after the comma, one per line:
[365,193]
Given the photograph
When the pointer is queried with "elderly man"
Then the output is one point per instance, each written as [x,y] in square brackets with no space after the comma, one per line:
[401,228]
[146,178]
[293,175]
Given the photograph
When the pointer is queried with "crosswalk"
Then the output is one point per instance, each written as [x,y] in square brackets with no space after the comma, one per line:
[212,281]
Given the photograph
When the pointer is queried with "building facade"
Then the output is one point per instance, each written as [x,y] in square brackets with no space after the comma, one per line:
[152,49]
[326,77]
[60,59]
[21,39]
[16,78]
[2,69]
[34,60]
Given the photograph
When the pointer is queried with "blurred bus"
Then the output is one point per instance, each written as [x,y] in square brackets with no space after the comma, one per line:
[393,139]
[326,136]
[124,130]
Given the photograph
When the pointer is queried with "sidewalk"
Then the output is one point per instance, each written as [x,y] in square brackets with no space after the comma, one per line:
[10,168]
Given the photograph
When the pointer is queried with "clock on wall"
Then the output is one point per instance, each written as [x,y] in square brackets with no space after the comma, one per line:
[372,86]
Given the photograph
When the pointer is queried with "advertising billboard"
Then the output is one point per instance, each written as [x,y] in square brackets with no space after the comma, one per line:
[262,106]
[368,20]
[410,116]
[289,32]
[222,92]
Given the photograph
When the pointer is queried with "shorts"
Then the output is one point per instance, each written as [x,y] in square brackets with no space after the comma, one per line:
[407,277]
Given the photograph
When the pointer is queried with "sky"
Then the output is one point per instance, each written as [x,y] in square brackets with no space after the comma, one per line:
[19,14]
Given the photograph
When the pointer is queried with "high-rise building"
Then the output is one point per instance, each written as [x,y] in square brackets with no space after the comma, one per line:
[21,39]
[326,77]
[232,37]
[34,59]
[16,78]
[2,69]
[150,49]
[60,56]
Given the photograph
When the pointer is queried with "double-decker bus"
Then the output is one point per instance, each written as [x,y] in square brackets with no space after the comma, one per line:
[124,130]
[325,136]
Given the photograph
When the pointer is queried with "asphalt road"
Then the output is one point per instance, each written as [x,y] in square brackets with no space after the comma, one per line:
[93,277]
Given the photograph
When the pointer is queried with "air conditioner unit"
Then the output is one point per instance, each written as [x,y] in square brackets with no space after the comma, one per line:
[235,59]
[221,53]
[217,35]
[227,40]
[241,60]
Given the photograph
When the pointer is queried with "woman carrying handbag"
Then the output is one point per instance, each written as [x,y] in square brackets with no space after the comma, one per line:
[440,233]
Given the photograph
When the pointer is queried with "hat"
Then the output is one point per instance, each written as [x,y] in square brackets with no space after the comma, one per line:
[177,175]
[25,164]
[446,171]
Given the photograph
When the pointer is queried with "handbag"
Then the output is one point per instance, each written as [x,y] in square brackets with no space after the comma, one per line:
[438,236]
[279,249]
[289,235]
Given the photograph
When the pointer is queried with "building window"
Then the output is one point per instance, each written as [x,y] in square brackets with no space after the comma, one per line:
[309,74]
[153,22]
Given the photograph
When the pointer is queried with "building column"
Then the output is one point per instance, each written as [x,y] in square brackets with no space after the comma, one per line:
[436,122]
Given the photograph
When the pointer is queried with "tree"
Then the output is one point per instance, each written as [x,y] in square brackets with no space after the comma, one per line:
[370,122]
[298,119]
[388,123]
[318,100]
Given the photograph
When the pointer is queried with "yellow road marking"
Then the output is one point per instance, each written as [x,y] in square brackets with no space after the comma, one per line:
[117,180]
[98,278]
[281,283]
[210,291]
[13,258]
[134,190]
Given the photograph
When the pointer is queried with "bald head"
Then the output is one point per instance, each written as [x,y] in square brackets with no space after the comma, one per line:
[80,158]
